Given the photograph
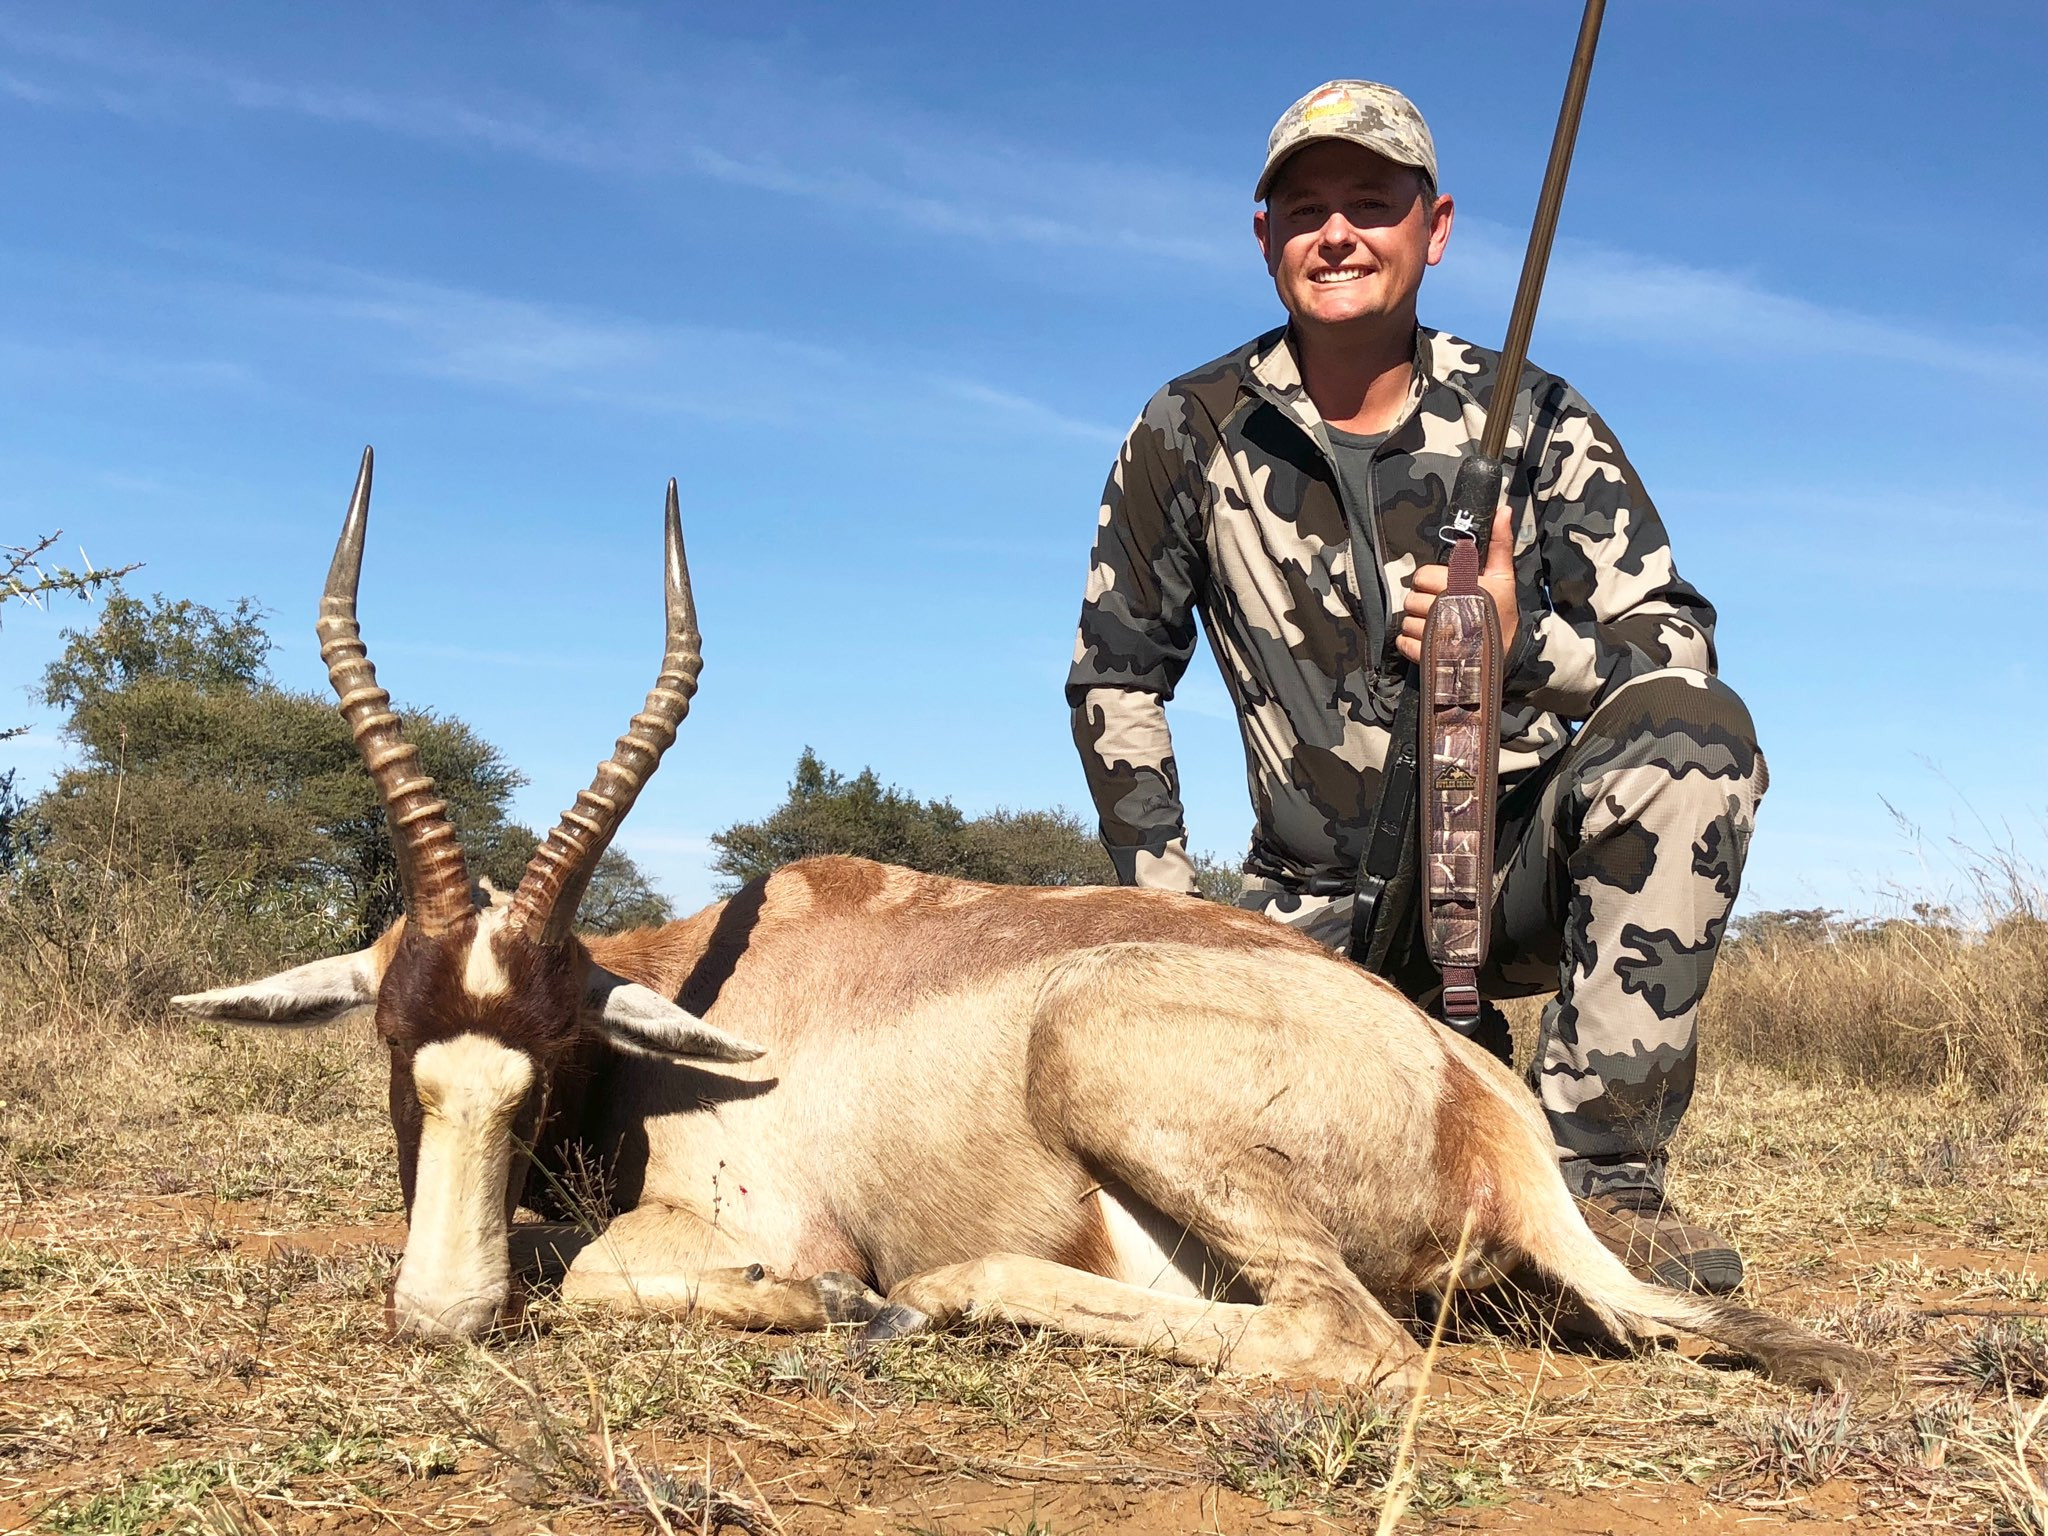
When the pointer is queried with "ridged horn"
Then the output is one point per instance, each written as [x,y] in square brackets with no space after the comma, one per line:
[430,866]
[546,902]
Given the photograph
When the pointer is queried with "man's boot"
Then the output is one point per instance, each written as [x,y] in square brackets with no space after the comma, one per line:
[1645,1230]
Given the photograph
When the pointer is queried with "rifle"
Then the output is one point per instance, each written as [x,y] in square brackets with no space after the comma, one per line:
[1447,732]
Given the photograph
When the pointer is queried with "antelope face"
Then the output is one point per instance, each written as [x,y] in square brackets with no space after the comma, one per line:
[469,1092]
[474,1056]
[483,1026]
[484,1009]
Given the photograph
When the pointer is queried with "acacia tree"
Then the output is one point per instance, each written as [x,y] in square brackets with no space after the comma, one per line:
[25,579]
[194,761]
[828,812]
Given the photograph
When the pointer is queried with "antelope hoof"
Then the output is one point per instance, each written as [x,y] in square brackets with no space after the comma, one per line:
[893,1321]
[846,1299]
[1396,1388]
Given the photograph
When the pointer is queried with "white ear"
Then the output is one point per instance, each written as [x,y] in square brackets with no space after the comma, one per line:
[641,1022]
[306,994]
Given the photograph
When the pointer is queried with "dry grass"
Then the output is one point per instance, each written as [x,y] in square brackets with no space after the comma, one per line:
[196,1227]
[86,945]
[1931,1000]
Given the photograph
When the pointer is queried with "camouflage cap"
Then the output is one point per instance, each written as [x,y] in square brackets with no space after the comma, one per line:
[1360,111]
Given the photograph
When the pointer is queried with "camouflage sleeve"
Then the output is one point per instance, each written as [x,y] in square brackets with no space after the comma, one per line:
[1616,605]
[1136,635]
[1128,757]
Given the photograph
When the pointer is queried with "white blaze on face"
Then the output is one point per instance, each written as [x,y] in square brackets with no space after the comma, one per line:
[483,973]
[456,1273]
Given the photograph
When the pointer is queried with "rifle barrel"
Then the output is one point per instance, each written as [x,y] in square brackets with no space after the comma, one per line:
[1515,351]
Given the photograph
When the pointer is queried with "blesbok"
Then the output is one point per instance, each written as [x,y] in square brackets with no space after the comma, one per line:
[853,1093]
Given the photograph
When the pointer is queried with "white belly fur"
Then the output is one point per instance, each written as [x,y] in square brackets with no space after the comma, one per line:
[1156,1254]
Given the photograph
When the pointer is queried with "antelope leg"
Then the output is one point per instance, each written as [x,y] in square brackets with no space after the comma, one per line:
[1353,1341]
[663,1259]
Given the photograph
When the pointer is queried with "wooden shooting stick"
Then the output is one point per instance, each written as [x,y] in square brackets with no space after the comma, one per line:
[1461,648]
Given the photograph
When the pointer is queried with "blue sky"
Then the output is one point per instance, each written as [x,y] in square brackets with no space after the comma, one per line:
[883,285]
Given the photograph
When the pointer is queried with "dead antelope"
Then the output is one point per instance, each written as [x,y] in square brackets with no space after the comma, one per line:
[852,1093]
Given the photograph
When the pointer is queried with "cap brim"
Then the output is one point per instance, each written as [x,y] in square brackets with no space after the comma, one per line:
[1334,136]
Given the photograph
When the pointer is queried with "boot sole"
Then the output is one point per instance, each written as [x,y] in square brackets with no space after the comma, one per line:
[1709,1272]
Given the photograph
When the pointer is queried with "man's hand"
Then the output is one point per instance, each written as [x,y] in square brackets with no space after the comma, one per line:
[1497,581]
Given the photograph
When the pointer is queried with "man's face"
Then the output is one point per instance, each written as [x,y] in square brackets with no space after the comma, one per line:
[1346,236]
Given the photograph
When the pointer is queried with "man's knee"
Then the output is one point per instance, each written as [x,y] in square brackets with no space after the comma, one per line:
[1684,721]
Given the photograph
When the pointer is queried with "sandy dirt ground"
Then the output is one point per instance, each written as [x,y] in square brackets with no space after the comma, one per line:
[184,1362]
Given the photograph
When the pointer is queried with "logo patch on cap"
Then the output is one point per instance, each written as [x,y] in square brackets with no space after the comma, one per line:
[1333,102]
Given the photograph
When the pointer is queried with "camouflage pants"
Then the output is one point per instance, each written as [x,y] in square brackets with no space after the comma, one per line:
[1617,866]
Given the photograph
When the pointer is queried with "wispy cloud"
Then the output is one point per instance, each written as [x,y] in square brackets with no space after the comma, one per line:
[95,360]
[383,323]
[1002,405]
[1649,301]
[723,116]
[983,217]
[715,372]
[480,338]
[134,75]
[726,114]
[35,95]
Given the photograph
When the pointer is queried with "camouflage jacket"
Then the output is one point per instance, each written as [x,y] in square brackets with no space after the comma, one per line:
[1224,502]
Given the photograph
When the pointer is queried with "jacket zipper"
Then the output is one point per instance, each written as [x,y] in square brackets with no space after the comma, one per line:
[1376,633]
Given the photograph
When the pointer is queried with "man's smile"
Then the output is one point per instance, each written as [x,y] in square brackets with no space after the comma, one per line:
[1339,274]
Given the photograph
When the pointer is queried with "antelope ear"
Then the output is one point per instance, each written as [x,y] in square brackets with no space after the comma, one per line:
[306,994]
[641,1022]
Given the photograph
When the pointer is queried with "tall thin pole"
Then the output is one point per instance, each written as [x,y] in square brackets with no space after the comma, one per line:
[1515,351]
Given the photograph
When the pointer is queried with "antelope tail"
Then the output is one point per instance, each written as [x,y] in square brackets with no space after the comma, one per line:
[1555,1237]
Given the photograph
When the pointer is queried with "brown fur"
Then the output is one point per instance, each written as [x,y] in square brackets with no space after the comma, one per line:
[422,998]
[859,944]
[1087,1246]
[843,884]
[924,929]
[1469,1154]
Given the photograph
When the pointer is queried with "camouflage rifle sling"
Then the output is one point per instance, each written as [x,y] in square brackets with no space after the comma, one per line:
[1460,723]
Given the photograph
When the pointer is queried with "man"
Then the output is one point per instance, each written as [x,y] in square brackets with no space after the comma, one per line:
[1292,494]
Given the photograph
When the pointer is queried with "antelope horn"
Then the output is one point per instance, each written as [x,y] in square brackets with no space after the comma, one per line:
[552,890]
[430,866]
